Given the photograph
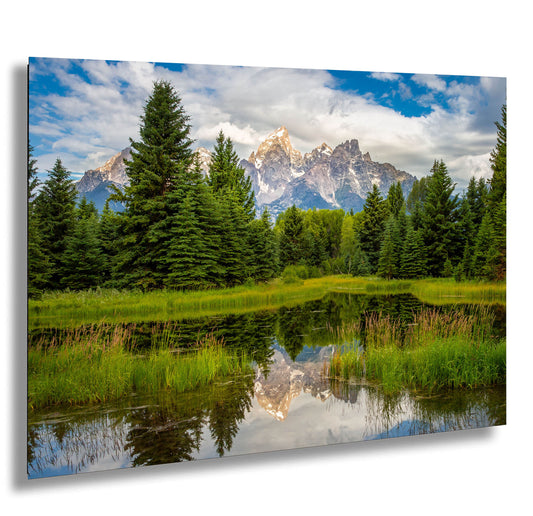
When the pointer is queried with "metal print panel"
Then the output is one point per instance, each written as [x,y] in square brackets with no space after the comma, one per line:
[231,260]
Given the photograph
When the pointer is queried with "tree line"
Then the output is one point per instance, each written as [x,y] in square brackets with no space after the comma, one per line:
[181,229]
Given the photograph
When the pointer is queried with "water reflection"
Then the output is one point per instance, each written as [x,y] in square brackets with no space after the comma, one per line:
[287,403]
[294,406]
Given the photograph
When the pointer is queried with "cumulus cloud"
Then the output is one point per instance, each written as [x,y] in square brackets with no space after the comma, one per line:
[100,108]
[430,81]
[385,76]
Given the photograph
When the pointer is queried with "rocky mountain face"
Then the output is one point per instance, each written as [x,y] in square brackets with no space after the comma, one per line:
[324,178]
[95,184]
[287,379]
[113,171]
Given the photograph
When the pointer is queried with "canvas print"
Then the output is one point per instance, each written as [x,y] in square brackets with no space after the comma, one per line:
[226,260]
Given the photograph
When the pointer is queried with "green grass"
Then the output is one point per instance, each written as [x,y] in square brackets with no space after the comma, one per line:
[74,308]
[437,351]
[93,366]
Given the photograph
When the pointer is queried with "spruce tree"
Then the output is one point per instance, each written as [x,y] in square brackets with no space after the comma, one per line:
[82,263]
[388,257]
[291,240]
[159,161]
[109,229]
[439,216]
[412,260]
[263,248]
[225,174]
[484,249]
[372,227]
[395,199]
[38,264]
[497,199]
[498,160]
[233,192]
[55,209]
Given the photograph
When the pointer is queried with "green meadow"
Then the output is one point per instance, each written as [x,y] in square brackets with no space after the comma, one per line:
[75,308]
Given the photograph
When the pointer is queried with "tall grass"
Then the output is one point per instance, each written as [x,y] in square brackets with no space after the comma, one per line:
[93,365]
[69,308]
[438,350]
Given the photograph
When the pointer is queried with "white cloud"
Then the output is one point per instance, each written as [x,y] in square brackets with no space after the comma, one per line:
[385,76]
[248,103]
[430,81]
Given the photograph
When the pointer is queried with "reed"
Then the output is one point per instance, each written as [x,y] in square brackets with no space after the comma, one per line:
[93,365]
[439,350]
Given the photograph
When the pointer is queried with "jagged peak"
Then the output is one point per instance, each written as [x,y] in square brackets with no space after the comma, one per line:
[280,132]
[279,137]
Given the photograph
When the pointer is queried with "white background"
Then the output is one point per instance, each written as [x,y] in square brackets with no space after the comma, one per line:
[484,471]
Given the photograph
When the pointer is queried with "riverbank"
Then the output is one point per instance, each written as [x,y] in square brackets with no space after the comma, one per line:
[74,308]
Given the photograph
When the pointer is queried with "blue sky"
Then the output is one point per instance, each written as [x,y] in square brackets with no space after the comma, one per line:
[85,111]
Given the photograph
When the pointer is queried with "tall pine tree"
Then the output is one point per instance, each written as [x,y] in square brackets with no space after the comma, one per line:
[55,208]
[372,227]
[439,217]
[38,264]
[159,161]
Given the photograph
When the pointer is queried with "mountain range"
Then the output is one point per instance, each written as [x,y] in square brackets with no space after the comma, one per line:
[326,177]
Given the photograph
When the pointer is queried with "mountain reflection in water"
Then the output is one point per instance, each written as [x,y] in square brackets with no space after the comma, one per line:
[287,403]
[293,406]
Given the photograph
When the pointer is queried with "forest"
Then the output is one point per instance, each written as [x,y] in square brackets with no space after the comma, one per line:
[183,230]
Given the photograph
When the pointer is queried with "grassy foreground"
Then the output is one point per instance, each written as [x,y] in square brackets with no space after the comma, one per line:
[437,351]
[90,366]
[71,308]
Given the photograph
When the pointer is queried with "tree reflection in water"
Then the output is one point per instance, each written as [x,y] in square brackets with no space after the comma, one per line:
[172,428]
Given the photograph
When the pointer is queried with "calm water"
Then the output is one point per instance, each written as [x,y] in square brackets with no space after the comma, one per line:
[285,403]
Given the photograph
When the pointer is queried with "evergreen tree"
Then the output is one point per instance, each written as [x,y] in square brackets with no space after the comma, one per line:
[33,180]
[55,210]
[108,238]
[498,160]
[476,198]
[225,175]
[417,216]
[497,199]
[235,254]
[185,251]
[263,246]
[86,210]
[484,249]
[412,260]
[38,264]
[388,258]
[417,194]
[235,197]
[498,254]
[439,219]
[360,265]
[465,228]
[447,269]
[372,227]
[395,199]
[159,161]
[82,262]
[291,240]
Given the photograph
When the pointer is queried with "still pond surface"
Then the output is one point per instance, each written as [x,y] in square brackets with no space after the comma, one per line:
[285,402]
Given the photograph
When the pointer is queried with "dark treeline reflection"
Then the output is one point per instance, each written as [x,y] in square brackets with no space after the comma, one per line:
[164,430]
[172,430]
[307,325]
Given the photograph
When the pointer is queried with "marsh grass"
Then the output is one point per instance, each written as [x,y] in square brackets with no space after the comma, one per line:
[75,308]
[438,350]
[94,365]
